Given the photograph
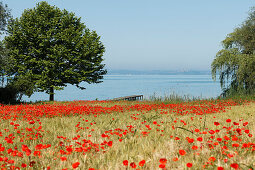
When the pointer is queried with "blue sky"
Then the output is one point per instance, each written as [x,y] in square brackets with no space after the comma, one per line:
[155,35]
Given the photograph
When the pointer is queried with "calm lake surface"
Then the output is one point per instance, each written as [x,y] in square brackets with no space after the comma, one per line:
[148,85]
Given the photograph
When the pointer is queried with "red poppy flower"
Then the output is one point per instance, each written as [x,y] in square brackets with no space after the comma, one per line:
[220,168]
[125,162]
[211,131]
[37,153]
[235,123]
[190,140]
[235,145]
[23,165]
[228,120]
[197,130]
[31,164]
[28,152]
[133,165]
[226,138]
[162,166]
[24,148]
[212,159]
[182,152]
[247,131]
[69,149]
[75,165]
[200,139]
[109,143]
[163,160]
[216,123]
[10,161]
[194,147]
[245,123]
[189,165]
[1,148]
[142,162]
[234,165]
[219,139]
[63,158]
[176,138]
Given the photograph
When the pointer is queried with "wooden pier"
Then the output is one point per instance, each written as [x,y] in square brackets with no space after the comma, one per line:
[130,98]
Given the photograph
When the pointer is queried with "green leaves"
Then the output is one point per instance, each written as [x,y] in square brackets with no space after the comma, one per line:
[5,17]
[236,62]
[55,48]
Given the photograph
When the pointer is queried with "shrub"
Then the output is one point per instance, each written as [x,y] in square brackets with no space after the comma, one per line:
[9,95]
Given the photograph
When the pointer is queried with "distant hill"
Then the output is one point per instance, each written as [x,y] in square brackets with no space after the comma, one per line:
[159,72]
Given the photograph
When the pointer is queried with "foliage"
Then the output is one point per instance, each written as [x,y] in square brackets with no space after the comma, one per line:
[5,17]
[235,63]
[8,95]
[11,90]
[173,98]
[3,63]
[52,47]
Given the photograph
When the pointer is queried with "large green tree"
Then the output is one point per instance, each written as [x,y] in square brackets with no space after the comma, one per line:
[235,63]
[52,48]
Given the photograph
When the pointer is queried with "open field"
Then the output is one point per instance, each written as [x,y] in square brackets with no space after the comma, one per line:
[128,135]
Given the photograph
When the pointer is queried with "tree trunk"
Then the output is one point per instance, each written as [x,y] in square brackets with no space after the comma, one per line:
[51,94]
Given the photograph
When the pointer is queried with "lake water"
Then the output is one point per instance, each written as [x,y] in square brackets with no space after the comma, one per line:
[114,86]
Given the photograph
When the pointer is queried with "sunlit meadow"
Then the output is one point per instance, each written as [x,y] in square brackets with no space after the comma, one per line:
[202,134]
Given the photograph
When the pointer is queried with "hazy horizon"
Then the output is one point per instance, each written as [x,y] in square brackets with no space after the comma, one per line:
[157,72]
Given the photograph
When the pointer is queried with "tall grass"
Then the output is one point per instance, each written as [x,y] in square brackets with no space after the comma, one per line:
[174,98]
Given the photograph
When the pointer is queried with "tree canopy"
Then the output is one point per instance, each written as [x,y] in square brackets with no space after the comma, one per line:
[52,48]
[235,63]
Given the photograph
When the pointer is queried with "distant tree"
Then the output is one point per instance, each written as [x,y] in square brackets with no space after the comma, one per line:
[235,63]
[11,90]
[5,17]
[52,47]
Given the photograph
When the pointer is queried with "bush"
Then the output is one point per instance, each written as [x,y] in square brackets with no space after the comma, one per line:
[9,95]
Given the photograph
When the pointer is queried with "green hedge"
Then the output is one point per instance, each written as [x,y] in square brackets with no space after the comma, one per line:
[8,95]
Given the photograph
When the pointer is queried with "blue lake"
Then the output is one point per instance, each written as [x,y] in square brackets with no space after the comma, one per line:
[148,85]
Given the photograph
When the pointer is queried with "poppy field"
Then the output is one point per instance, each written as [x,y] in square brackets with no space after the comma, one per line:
[203,134]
